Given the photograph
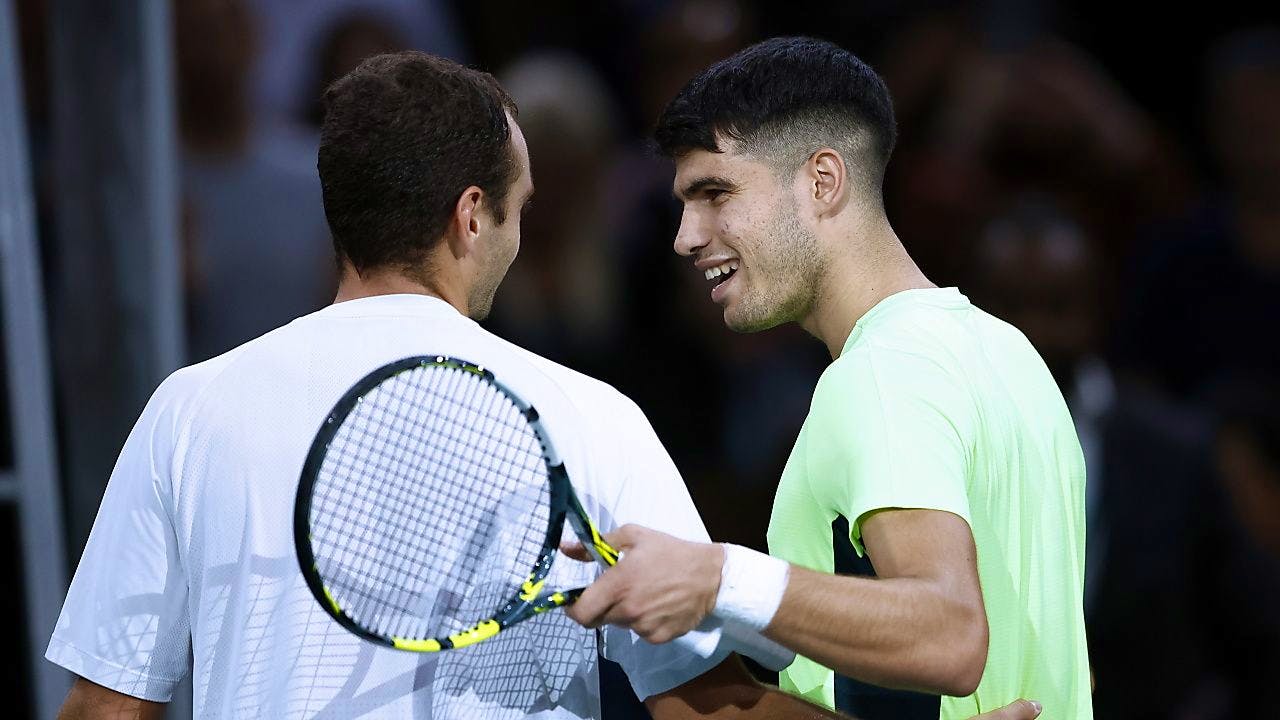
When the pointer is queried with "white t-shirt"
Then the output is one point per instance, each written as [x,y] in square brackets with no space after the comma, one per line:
[191,561]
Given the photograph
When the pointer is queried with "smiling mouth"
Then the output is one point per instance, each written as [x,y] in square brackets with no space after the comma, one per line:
[721,273]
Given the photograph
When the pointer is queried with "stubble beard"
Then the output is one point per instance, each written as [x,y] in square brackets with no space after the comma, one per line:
[792,278]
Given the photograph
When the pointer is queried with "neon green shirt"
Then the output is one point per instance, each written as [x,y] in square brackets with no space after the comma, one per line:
[935,404]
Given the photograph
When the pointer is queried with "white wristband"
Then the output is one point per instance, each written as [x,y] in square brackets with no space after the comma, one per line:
[751,587]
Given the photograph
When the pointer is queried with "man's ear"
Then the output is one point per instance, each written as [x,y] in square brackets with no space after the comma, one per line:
[466,223]
[827,181]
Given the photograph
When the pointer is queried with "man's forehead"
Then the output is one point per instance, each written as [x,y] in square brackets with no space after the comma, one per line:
[698,164]
[698,161]
[521,148]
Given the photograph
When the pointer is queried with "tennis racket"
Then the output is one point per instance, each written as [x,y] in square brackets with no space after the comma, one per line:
[431,507]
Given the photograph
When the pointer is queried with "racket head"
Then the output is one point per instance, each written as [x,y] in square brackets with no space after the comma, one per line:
[430,507]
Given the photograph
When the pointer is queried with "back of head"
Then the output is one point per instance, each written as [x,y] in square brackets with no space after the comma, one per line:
[781,100]
[403,136]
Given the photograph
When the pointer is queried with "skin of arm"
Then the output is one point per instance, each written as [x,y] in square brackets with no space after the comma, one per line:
[729,691]
[90,701]
[920,624]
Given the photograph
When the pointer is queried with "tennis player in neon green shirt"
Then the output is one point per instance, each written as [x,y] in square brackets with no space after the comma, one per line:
[937,432]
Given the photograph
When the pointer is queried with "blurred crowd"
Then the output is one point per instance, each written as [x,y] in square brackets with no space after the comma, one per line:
[1119,204]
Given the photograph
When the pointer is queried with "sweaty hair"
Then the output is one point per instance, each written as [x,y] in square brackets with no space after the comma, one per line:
[403,136]
[781,100]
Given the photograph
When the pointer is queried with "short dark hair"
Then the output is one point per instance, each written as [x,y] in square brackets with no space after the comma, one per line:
[403,136]
[783,99]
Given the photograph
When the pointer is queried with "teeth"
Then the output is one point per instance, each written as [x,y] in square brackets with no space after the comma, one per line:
[722,269]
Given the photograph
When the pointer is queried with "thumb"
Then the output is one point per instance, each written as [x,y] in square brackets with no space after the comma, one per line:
[620,539]
[1016,710]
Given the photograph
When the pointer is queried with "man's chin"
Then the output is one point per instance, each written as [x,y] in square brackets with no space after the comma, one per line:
[744,324]
[479,309]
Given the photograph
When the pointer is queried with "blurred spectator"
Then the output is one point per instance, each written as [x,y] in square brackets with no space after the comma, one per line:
[938,191]
[293,30]
[1240,609]
[1064,125]
[1249,456]
[561,296]
[252,212]
[348,41]
[1036,269]
[1153,518]
[980,124]
[682,38]
[1205,296]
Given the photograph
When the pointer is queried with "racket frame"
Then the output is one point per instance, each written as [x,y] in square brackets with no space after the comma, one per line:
[531,598]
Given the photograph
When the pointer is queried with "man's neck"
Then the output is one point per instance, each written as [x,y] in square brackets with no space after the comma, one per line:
[353,286]
[855,282]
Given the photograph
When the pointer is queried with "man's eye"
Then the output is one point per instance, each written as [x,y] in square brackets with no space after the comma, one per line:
[716,195]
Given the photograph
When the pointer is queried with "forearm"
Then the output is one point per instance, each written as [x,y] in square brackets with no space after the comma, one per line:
[89,701]
[897,632]
[738,703]
[728,691]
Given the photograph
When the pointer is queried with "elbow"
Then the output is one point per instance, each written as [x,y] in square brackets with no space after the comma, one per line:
[965,656]
[964,679]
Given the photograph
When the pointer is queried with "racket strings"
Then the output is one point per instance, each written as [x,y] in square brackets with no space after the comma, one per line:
[453,492]
[447,601]
[400,496]
[387,499]
[431,504]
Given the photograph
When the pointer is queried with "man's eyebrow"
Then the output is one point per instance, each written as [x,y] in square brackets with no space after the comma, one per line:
[702,183]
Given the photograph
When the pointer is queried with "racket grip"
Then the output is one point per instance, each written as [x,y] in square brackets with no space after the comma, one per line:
[556,600]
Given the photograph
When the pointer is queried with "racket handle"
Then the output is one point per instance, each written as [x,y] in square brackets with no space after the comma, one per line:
[556,600]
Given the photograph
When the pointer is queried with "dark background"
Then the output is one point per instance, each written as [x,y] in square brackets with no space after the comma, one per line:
[1108,182]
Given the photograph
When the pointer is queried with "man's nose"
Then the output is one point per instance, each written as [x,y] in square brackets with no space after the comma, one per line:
[689,239]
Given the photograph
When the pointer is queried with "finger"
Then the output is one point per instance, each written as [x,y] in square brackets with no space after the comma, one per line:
[624,537]
[592,608]
[576,550]
[617,541]
[1016,710]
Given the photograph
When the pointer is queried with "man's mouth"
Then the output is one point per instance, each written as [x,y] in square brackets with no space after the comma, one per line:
[721,275]
[722,272]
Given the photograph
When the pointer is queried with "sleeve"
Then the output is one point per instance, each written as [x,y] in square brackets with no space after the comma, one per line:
[889,430]
[124,624]
[653,494]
